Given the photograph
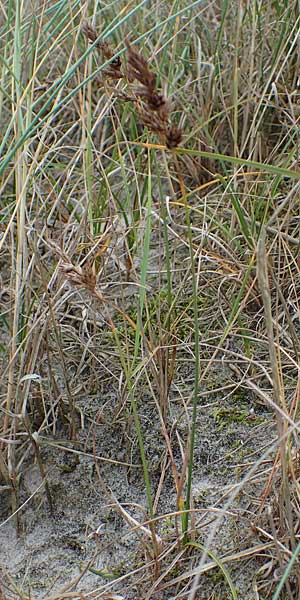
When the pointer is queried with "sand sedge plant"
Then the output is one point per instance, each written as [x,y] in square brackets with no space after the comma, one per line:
[133,81]
[153,109]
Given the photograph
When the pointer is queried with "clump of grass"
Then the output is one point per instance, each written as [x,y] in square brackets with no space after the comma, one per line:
[227,92]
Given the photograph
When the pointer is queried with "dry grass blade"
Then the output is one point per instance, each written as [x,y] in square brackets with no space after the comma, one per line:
[286,513]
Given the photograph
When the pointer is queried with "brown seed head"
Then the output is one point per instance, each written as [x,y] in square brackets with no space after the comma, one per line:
[113,72]
[91,35]
[89,31]
[153,122]
[155,101]
[80,277]
[138,69]
[173,136]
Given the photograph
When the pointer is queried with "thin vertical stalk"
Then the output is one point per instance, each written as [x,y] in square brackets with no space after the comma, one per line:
[144,269]
[138,336]
[278,392]
[21,252]
[88,154]
[236,84]
[191,446]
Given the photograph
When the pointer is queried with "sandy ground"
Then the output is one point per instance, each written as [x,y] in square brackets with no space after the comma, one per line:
[85,535]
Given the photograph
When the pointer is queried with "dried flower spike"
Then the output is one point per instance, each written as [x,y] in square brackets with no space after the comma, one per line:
[153,108]
[91,35]
[80,277]
[138,69]
[173,136]
[104,47]
[89,31]
[153,122]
